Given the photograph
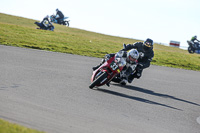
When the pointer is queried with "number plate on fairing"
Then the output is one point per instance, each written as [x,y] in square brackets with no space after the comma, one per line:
[114,66]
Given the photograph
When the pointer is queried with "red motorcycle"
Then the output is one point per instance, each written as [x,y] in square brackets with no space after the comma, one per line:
[107,71]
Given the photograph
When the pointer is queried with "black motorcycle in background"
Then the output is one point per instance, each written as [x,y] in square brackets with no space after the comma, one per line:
[63,21]
[193,47]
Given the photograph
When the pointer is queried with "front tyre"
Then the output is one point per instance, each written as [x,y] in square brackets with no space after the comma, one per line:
[190,50]
[98,80]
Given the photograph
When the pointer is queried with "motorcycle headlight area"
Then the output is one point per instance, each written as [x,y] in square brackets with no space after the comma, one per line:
[120,61]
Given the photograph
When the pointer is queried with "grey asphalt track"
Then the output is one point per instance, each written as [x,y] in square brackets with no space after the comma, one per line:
[49,91]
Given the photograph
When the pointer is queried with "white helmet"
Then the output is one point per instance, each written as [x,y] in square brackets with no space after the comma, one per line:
[132,55]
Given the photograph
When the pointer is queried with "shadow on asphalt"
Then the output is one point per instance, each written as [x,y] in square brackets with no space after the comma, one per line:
[138,98]
[150,92]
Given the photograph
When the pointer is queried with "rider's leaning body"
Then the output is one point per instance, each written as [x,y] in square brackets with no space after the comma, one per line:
[195,42]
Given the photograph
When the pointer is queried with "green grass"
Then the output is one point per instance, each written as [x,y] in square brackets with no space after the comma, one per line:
[22,32]
[7,127]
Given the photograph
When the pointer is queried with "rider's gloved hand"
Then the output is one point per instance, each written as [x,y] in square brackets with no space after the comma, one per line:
[124,47]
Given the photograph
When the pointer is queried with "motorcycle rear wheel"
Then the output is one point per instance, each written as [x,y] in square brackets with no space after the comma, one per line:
[66,23]
[98,80]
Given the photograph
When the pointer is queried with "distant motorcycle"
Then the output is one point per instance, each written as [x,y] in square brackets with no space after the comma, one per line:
[107,71]
[64,21]
[45,27]
[193,46]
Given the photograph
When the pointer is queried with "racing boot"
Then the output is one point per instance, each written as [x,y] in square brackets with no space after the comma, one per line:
[123,82]
[108,84]
[132,76]
[116,80]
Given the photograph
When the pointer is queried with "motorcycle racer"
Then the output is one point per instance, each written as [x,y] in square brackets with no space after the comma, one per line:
[194,38]
[59,16]
[131,61]
[146,52]
[45,24]
[195,41]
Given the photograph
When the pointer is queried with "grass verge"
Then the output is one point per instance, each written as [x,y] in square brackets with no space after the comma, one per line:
[22,32]
[7,127]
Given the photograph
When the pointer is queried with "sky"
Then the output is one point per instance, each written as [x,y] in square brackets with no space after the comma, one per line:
[160,20]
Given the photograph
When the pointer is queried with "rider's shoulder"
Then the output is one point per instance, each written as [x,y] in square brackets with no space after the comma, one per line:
[138,43]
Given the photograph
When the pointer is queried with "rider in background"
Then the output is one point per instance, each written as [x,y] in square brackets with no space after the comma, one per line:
[194,38]
[45,24]
[195,41]
[59,16]
[46,21]
[146,52]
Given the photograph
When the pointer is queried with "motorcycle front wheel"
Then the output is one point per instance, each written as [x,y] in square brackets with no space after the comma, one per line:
[190,50]
[98,80]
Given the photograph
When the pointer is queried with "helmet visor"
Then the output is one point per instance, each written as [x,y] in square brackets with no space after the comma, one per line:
[132,59]
[148,44]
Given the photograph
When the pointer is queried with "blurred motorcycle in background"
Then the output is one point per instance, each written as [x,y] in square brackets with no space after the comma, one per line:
[63,21]
[45,26]
[194,47]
